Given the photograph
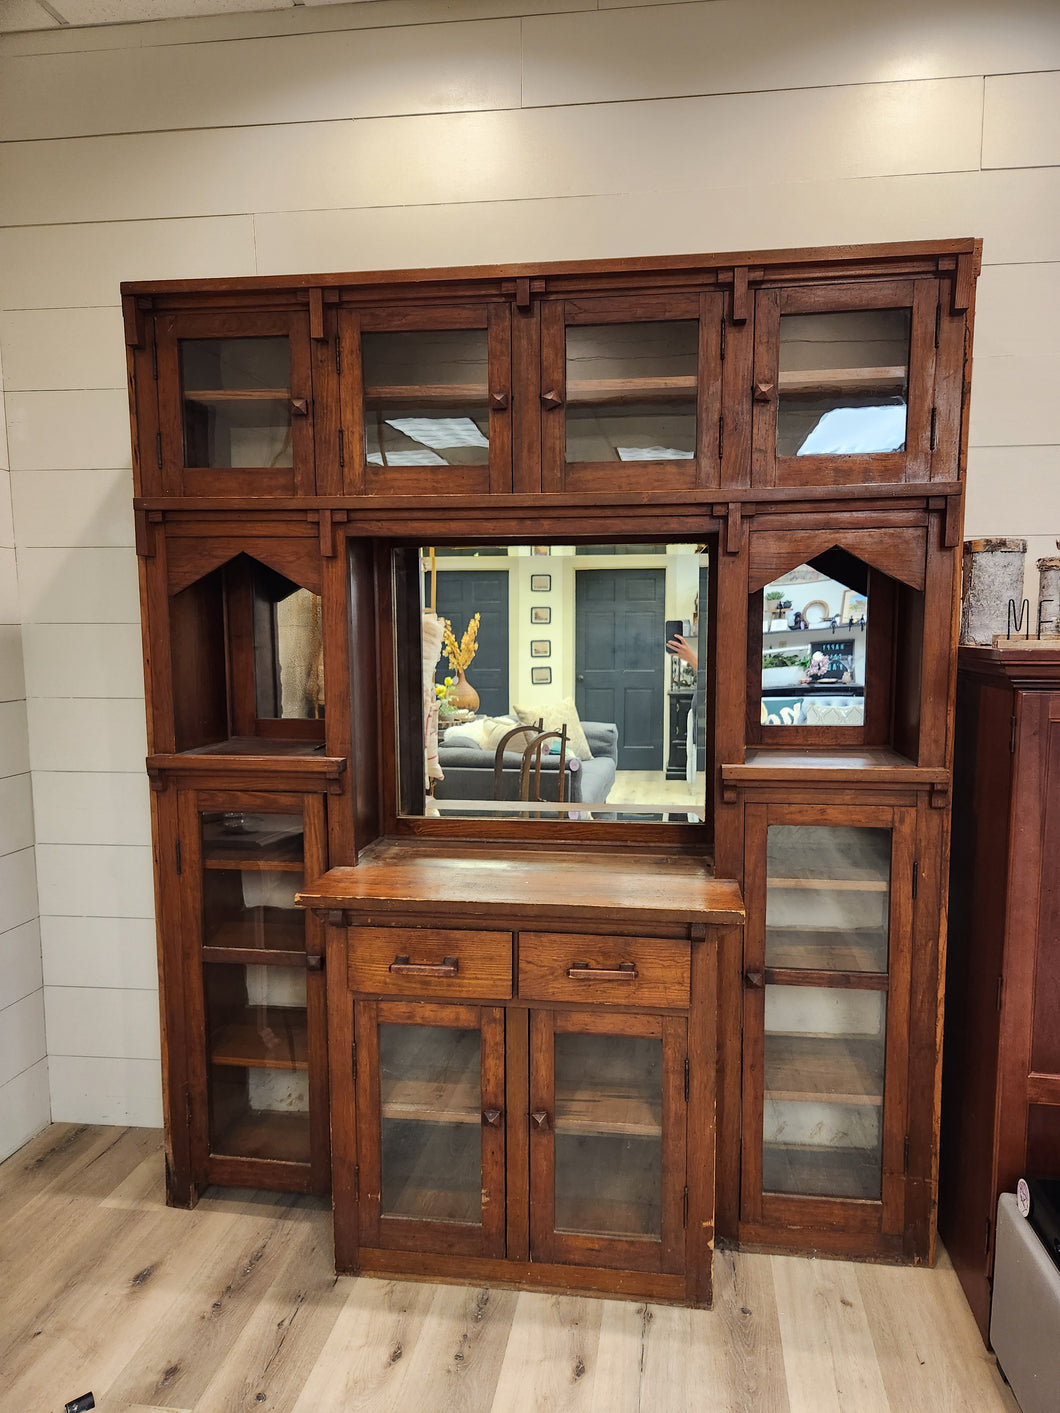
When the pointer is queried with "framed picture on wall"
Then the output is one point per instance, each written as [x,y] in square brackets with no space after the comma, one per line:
[855,606]
[540,676]
[540,615]
[540,647]
[540,583]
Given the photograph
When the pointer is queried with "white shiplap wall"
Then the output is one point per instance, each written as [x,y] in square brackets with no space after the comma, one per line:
[407,133]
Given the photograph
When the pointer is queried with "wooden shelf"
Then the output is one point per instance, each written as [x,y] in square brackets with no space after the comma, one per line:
[261,929]
[272,851]
[830,1069]
[426,395]
[262,1133]
[833,885]
[797,1170]
[264,1038]
[458,1102]
[840,949]
[811,381]
[604,391]
[237,395]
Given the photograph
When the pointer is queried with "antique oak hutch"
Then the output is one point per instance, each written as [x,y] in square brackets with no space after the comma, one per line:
[564,1035]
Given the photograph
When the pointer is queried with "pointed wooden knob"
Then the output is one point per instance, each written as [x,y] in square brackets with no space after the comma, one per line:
[540,1120]
[499,400]
[765,392]
[552,398]
[492,1117]
[299,407]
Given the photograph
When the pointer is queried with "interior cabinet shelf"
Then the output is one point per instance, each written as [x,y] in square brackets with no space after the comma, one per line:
[856,380]
[833,885]
[834,1172]
[600,391]
[272,853]
[236,394]
[269,1038]
[425,394]
[832,1069]
[260,929]
[428,1101]
[823,949]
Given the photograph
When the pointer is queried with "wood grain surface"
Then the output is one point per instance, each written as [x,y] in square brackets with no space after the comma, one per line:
[235,1307]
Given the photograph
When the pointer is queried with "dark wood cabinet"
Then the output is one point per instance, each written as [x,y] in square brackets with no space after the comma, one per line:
[1001,1076]
[778,437]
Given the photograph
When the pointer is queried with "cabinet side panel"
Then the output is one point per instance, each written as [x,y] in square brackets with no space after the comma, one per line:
[978,897]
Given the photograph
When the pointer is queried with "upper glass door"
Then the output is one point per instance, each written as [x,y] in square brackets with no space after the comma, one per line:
[426,406]
[236,416]
[630,392]
[843,383]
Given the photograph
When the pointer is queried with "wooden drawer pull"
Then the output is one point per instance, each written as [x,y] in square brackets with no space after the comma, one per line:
[582,971]
[492,1117]
[448,966]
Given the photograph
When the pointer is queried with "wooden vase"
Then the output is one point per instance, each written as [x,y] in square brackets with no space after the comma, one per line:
[462,694]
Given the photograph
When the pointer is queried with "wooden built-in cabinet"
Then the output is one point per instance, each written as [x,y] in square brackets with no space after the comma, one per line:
[300,445]
[1001,1076]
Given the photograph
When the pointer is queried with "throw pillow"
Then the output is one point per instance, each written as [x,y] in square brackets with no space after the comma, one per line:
[554,716]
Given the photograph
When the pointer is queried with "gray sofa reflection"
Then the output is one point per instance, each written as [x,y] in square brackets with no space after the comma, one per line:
[469,768]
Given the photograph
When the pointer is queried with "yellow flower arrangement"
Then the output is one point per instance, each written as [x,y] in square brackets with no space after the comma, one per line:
[460,654]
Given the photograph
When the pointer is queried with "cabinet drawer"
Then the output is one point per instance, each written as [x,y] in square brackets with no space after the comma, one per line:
[571,966]
[435,962]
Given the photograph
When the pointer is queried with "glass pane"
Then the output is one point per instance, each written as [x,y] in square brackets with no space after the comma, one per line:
[252,869]
[426,398]
[608,1135]
[814,636]
[576,638]
[827,897]
[289,656]
[823,1114]
[258,1067]
[430,1094]
[631,391]
[236,395]
[844,382]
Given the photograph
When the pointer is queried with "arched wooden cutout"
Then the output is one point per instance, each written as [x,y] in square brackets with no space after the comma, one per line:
[188,560]
[902,554]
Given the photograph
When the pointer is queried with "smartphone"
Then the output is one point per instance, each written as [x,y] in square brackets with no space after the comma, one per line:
[677,627]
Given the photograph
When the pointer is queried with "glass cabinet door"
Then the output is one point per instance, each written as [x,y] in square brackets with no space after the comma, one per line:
[827,986]
[426,404]
[843,384]
[629,393]
[431,1126]
[260,1116]
[607,1139]
[237,410]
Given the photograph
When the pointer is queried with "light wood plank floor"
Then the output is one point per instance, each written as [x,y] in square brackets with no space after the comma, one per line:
[235,1307]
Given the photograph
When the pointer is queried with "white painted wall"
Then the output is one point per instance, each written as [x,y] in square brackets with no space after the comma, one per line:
[410,132]
[24,1105]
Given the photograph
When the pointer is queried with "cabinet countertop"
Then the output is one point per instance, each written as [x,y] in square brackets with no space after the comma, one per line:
[532,886]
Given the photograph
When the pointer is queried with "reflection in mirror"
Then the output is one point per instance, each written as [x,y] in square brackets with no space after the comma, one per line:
[558,697]
[288,649]
[814,631]
[844,382]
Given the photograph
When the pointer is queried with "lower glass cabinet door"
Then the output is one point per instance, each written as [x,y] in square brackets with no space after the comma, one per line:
[430,1103]
[607,1139]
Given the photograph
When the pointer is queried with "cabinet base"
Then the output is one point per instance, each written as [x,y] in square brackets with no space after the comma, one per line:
[532,1275]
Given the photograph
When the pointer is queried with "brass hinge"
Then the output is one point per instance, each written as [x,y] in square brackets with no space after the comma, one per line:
[938,322]
[916,875]
[722,350]
[684,1214]
[180,862]
[686,1079]
[338,355]
[356,1182]
[721,437]
[342,447]
[158,449]
[934,428]
[154,358]
[905,1155]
